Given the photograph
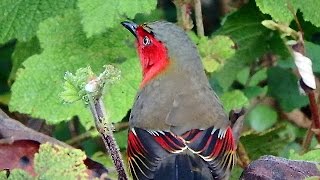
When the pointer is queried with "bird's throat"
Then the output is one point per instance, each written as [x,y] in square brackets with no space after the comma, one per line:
[154,61]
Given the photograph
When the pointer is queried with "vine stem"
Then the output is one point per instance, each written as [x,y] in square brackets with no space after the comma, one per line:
[315,113]
[106,131]
[299,47]
[198,16]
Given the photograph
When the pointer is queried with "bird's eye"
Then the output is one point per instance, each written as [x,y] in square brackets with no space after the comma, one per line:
[146,41]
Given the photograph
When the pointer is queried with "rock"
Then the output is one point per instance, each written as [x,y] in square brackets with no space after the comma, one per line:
[277,168]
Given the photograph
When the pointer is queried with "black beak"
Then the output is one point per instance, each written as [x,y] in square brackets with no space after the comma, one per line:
[131,26]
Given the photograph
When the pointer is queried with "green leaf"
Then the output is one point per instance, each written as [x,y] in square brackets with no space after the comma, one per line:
[234,100]
[19,174]
[3,174]
[313,155]
[85,85]
[286,63]
[215,51]
[313,177]
[5,98]
[262,117]
[265,143]
[236,172]
[154,15]
[243,75]
[290,146]
[91,145]
[38,86]
[284,87]
[120,96]
[5,64]
[254,91]
[309,9]
[22,51]
[226,75]
[74,85]
[53,162]
[121,139]
[245,29]
[258,77]
[98,15]
[251,39]
[278,10]
[313,52]
[20,19]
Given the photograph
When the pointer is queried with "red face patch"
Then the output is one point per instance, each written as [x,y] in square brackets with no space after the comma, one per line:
[153,55]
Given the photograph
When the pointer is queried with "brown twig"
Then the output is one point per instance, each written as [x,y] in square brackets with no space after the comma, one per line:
[298,118]
[315,112]
[106,131]
[307,140]
[198,16]
[81,137]
[93,132]
[183,14]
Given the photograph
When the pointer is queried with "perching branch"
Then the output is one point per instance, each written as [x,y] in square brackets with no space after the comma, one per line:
[86,86]
[106,131]
[94,90]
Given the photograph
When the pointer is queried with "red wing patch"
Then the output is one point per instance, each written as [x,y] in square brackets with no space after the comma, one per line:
[215,146]
[147,148]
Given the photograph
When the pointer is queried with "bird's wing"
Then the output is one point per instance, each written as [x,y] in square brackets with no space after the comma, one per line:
[147,149]
[215,146]
[150,152]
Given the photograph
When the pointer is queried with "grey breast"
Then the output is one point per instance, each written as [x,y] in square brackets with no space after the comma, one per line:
[180,99]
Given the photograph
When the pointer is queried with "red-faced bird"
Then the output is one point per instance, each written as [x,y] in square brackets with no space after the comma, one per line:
[178,128]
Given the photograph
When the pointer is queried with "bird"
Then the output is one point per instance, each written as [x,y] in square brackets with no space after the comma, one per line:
[177,126]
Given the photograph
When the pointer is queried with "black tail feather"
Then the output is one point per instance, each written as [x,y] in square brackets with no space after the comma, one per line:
[183,167]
